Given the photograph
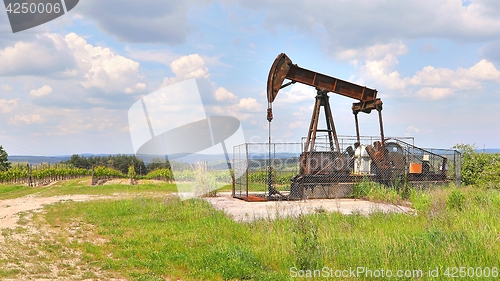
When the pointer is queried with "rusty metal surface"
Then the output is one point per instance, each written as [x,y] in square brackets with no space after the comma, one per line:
[331,174]
[277,75]
[331,84]
[283,68]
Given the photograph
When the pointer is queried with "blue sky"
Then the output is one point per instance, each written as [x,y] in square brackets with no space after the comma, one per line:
[66,86]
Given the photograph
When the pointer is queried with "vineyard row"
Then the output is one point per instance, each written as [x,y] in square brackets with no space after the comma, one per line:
[44,174]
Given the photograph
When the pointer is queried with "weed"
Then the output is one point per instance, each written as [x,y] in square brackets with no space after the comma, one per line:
[205,183]
[456,200]
[233,262]
[306,245]
[362,189]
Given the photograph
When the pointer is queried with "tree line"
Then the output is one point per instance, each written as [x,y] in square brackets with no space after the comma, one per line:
[121,162]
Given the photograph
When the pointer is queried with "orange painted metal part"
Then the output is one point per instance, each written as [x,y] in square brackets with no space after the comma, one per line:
[252,198]
[415,168]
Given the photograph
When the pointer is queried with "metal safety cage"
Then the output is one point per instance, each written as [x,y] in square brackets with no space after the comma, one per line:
[330,172]
[264,171]
[286,171]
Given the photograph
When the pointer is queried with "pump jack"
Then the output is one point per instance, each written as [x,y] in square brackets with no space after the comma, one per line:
[319,166]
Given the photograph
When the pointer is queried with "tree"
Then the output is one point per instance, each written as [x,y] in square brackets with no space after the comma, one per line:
[479,168]
[4,160]
[78,161]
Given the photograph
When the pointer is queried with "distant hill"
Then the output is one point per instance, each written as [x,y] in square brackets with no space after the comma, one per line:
[35,160]
[488,150]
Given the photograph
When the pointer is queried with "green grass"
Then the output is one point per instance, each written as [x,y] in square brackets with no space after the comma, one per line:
[82,186]
[163,237]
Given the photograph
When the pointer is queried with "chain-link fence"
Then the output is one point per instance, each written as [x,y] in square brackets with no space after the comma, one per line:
[266,171]
[285,171]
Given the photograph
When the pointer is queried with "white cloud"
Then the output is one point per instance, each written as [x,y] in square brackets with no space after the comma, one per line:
[43,91]
[221,94]
[6,87]
[140,86]
[137,87]
[297,124]
[382,72]
[101,68]
[26,119]
[373,52]
[429,82]
[186,67]
[146,21]
[434,93]
[191,66]
[296,94]
[7,106]
[412,129]
[250,105]
[347,29]
[483,70]
[70,58]
[243,110]
[161,56]
[232,110]
[304,111]
[431,76]
[462,78]
[46,54]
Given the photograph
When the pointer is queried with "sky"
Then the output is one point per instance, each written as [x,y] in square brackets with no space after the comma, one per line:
[66,86]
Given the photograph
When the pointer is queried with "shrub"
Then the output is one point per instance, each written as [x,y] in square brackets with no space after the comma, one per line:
[361,189]
[479,168]
[421,201]
[306,245]
[376,192]
[456,200]
[205,183]
[131,172]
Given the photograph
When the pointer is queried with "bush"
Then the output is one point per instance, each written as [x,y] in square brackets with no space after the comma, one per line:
[164,174]
[362,189]
[479,168]
[421,201]
[456,200]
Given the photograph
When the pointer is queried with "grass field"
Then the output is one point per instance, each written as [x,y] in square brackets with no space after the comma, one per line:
[152,235]
[82,186]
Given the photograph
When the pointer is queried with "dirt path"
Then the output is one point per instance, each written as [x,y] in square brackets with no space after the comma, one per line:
[21,242]
[239,210]
[10,208]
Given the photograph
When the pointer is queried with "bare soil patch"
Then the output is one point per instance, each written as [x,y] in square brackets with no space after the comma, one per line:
[10,208]
[244,211]
[33,251]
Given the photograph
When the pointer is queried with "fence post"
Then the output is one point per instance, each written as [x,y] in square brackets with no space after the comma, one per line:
[30,183]
[246,151]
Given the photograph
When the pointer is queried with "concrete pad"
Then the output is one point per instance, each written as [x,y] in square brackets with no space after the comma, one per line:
[243,211]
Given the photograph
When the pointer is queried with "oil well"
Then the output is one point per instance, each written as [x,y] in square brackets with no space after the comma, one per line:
[325,164]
